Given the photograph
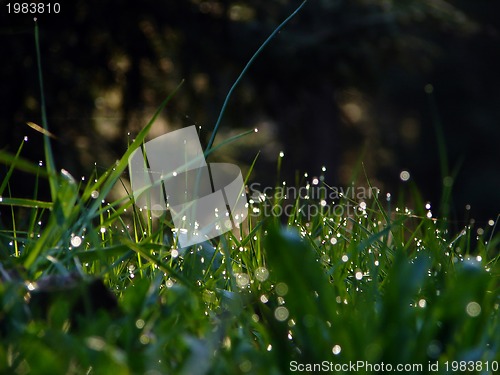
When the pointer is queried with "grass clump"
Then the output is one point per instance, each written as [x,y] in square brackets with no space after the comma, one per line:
[373,284]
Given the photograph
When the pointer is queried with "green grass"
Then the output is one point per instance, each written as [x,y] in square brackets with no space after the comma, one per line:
[378,285]
[369,281]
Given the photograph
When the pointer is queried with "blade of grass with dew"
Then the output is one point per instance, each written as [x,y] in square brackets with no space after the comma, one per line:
[160,264]
[243,72]
[63,214]
[309,294]
[25,202]
[11,169]
[49,157]
[21,164]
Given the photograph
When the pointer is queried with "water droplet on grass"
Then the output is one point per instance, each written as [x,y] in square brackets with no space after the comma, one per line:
[76,241]
[404,176]
[281,313]
[261,274]
[473,309]
[281,289]
[243,280]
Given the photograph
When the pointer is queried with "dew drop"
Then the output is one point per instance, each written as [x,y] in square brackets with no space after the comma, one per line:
[336,349]
[94,194]
[76,241]
[473,309]
[261,274]
[281,313]
[281,289]
[404,176]
[242,279]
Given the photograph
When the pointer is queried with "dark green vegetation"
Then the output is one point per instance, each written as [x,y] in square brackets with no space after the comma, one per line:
[382,285]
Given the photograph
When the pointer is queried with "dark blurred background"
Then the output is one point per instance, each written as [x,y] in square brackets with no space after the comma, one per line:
[344,82]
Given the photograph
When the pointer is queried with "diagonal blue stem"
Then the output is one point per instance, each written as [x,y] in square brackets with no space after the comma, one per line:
[243,72]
